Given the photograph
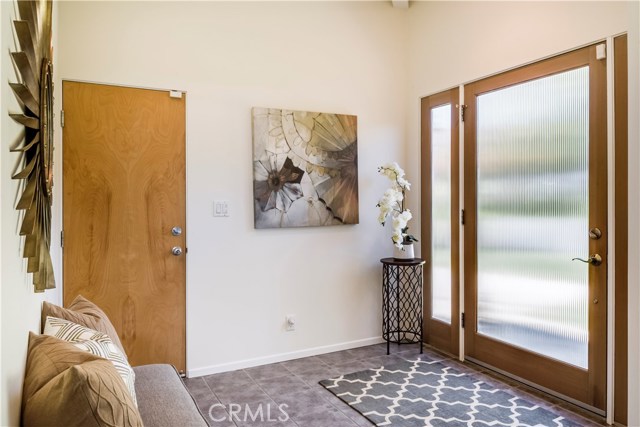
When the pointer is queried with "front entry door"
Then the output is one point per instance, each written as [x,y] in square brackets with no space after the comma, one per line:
[535,199]
[124,213]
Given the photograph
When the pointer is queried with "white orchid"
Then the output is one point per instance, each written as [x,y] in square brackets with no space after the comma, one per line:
[391,170]
[403,183]
[392,196]
[404,218]
[392,204]
[382,216]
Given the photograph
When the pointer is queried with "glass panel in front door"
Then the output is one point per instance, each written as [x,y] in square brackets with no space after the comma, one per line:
[532,215]
[441,213]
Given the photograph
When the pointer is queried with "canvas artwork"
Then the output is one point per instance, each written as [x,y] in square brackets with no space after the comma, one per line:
[305,168]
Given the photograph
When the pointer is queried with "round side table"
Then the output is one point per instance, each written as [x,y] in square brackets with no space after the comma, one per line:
[402,301]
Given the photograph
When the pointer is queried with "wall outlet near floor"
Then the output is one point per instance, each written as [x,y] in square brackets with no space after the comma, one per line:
[290,322]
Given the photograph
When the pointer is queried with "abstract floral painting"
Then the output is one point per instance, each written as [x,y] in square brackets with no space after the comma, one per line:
[305,168]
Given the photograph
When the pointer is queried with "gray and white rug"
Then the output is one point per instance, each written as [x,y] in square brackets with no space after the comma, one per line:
[427,393]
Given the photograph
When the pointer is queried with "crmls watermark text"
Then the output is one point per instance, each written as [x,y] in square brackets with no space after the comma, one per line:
[259,412]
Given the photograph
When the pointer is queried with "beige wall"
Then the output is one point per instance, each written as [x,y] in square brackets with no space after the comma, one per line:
[230,56]
[358,58]
[19,305]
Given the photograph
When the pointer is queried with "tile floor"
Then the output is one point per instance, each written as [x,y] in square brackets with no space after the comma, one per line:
[295,383]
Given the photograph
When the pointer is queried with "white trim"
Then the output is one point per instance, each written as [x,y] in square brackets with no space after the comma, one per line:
[400,4]
[281,357]
[611,229]
[92,82]
[188,291]
[461,233]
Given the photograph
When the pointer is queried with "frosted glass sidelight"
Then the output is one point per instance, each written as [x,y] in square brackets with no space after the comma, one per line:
[532,215]
[441,213]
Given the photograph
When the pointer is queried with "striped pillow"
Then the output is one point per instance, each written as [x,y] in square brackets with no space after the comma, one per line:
[93,342]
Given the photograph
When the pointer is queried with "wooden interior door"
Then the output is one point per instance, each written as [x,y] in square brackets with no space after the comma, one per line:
[532,196]
[124,192]
[440,221]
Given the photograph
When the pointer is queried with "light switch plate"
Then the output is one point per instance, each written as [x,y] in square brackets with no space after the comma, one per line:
[220,208]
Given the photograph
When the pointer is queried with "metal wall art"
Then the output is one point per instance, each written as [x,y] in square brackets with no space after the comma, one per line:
[34,93]
[305,168]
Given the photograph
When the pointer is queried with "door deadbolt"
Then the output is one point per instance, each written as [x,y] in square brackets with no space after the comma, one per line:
[595,233]
[176,231]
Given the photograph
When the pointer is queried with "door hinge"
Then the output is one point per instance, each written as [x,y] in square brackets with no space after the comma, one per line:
[462,319]
[462,216]
[62,118]
[463,111]
[62,238]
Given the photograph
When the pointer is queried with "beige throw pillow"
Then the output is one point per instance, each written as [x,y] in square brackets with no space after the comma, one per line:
[48,357]
[85,313]
[93,342]
[66,386]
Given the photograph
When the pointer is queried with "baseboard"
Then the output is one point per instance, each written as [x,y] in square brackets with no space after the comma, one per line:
[281,357]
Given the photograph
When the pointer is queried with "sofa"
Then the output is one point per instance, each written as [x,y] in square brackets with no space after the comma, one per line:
[163,399]
[77,374]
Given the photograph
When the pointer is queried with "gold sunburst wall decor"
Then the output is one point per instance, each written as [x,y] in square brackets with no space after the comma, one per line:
[34,92]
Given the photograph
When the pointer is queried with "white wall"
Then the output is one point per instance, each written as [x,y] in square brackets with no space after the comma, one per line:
[19,305]
[230,56]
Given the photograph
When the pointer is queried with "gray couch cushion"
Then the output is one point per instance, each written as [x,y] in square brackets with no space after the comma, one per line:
[163,400]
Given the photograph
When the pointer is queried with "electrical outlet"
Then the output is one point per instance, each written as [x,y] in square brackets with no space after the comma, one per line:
[290,322]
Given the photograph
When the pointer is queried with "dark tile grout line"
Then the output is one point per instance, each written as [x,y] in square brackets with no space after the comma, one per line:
[372,353]
[257,383]
[217,398]
[301,379]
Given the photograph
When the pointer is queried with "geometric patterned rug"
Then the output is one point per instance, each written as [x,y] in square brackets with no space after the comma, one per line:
[420,393]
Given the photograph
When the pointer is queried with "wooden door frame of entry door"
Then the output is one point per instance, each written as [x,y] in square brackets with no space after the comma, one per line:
[437,333]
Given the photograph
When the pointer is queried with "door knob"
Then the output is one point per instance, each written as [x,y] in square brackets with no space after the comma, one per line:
[594,259]
[176,250]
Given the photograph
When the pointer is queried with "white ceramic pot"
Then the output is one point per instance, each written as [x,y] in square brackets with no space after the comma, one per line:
[405,253]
